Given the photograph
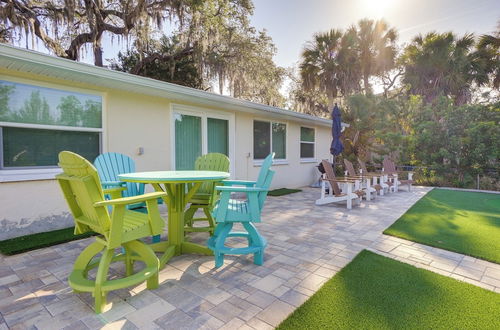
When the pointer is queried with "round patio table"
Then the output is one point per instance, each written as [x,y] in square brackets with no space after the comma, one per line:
[180,187]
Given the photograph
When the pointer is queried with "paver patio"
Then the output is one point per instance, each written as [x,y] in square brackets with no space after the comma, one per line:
[308,244]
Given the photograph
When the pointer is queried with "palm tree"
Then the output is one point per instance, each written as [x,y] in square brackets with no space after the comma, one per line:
[329,65]
[442,64]
[377,49]
[488,49]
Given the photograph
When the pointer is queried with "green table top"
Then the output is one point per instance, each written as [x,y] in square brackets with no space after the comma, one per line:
[173,176]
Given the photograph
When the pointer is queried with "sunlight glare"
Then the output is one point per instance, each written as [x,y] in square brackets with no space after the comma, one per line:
[377,8]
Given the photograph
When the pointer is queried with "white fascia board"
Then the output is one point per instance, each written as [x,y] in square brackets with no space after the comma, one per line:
[121,80]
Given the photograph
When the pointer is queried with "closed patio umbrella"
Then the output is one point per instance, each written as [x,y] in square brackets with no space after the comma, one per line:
[336,146]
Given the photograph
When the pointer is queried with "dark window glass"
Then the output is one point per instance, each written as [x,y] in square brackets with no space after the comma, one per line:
[306,150]
[27,147]
[279,140]
[307,134]
[306,142]
[261,139]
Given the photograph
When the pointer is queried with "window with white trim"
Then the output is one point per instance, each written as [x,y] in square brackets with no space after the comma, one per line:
[269,137]
[36,123]
[307,143]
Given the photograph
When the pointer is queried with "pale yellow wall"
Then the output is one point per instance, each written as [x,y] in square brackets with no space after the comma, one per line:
[132,121]
[294,173]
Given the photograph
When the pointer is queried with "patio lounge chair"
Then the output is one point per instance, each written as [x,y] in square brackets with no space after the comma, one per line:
[390,167]
[387,186]
[229,211]
[119,228]
[368,183]
[206,196]
[350,192]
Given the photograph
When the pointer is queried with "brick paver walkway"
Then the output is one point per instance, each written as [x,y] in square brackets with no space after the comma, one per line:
[308,244]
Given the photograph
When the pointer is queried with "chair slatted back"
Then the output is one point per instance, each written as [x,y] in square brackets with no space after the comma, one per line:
[82,188]
[389,166]
[266,184]
[264,169]
[109,165]
[349,167]
[330,175]
[264,179]
[211,162]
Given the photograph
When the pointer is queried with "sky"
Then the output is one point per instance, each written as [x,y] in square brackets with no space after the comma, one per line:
[291,23]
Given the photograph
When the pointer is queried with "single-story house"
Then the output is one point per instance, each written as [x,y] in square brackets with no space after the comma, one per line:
[49,104]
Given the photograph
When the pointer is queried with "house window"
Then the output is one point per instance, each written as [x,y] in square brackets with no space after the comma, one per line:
[306,143]
[36,123]
[198,133]
[269,137]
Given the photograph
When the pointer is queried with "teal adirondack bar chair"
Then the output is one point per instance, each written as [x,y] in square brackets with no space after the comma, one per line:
[206,195]
[229,211]
[117,228]
[109,165]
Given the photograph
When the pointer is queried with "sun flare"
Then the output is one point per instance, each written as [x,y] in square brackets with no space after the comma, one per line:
[376,8]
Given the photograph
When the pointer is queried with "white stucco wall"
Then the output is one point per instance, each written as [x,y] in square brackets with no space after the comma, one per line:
[132,121]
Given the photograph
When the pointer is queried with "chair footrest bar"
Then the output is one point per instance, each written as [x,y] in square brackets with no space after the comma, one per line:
[78,282]
[244,250]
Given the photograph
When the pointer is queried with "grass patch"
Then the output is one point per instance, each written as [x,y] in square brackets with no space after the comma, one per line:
[375,292]
[282,191]
[460,221]
[37,241]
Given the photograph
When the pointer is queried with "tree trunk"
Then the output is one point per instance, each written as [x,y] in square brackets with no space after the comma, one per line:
[366,84]
[98,55]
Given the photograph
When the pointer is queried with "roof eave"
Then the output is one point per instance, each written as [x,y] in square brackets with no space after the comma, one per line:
[151,86]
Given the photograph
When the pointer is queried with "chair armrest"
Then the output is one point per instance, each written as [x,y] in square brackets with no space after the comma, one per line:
[112,183]
[110,190]
[240,189]
[131,200]
[115,192]
[342,180]
[238,182]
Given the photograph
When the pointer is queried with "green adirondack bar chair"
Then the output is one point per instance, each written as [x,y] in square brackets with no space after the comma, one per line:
[206,196]
[229,211]
[118,228]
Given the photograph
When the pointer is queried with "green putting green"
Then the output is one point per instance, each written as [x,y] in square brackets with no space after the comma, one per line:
[282,191]
[460,221]
[375,292]
[40,240]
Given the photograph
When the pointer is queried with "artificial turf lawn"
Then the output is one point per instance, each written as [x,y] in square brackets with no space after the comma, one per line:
[282,191]
[375,292]
[36,241]
[460,221]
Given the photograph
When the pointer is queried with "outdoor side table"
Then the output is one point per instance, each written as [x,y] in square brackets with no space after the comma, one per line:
[180,187]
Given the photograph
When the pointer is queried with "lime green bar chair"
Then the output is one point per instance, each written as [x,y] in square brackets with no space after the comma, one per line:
[247,211]
[117,227]
[206,196]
